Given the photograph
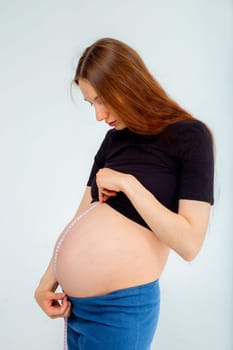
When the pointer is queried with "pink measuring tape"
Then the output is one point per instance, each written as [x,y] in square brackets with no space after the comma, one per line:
[56,252]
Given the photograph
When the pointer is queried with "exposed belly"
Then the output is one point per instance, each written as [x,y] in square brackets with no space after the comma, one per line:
[103,251]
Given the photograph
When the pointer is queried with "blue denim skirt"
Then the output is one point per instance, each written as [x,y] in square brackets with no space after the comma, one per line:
[125,319]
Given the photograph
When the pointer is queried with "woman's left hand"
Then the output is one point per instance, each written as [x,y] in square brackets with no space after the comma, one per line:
[109,183]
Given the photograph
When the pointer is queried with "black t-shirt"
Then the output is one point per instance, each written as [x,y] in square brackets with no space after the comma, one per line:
[177,163]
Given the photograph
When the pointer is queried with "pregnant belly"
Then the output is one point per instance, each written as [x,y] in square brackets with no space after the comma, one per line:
[102,251]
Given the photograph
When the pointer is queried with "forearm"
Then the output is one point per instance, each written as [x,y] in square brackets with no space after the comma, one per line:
[85,202]
[48,280]
[53,304]
[171,228]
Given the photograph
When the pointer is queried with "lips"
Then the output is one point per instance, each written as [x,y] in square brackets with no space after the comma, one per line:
[112,123]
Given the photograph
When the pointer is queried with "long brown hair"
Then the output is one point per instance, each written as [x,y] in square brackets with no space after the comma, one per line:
[120,77]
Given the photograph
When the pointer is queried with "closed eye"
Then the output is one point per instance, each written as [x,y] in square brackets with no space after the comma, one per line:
[97,99]
[88,102]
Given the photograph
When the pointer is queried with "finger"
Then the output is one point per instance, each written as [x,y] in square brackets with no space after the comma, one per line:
[56,296]
[63,311]
[54,300]
[101,196]
[105,197]
[110,193]
[104,194]
[63,305]
[68,310]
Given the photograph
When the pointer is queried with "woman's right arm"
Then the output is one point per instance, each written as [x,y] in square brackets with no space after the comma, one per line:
[56,304]
[53,304]
[85,201]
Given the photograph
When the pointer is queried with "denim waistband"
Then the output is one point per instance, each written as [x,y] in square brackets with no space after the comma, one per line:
[137,291]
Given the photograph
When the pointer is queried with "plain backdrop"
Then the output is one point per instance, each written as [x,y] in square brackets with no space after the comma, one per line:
[48,141]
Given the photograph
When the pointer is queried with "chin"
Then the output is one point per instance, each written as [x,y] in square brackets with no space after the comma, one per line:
[120,127]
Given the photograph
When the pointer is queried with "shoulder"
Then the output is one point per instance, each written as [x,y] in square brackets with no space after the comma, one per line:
[188,128]
[189,138]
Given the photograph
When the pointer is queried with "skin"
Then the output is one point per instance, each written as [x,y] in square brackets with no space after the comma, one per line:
[184,232]
[52,303]
[102,111]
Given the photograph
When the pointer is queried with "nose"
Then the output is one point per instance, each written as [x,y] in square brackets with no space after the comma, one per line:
[101,114]
[100,117]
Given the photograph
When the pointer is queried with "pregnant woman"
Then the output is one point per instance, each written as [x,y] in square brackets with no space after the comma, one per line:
[150,190]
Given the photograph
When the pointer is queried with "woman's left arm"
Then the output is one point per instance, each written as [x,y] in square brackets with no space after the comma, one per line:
[183,232]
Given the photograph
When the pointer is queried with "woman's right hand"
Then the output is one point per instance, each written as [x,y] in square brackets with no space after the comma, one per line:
[53,304]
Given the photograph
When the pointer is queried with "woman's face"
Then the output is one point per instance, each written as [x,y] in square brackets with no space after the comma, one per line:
[101,110]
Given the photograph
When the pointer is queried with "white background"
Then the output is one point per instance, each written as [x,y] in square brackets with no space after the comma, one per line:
[47,143]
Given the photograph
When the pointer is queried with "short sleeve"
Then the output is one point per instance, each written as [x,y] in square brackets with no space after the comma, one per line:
[196,163]
[99,160]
